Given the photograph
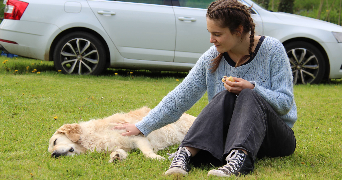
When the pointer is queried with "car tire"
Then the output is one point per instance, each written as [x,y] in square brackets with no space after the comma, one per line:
[307,62]
[80,53]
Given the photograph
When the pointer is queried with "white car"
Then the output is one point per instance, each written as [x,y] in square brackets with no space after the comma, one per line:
[87,36]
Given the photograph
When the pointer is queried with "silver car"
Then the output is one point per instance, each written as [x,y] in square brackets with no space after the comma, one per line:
[87,36]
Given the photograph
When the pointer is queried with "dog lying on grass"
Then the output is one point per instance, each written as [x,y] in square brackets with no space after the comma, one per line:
[99,135]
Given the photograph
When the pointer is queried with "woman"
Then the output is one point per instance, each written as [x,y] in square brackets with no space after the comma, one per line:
[249,118]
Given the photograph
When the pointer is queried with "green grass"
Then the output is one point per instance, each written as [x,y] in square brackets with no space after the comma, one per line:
[33,105]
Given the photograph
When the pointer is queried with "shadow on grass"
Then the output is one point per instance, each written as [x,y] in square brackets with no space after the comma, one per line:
[25,66]
[332,81]
[144,73]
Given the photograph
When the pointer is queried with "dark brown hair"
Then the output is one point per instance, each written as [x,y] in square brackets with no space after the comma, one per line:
[232,14]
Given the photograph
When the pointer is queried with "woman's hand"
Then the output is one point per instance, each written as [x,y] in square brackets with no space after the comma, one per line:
[131,129]
[237,86]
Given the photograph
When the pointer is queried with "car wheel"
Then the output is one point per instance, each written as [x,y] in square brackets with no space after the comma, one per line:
[80,53]
[307,62]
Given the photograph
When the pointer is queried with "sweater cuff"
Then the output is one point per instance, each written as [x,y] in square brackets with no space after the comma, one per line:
[140,125]
[253,82]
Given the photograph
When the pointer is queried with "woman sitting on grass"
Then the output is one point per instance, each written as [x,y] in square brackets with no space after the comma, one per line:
[249,118]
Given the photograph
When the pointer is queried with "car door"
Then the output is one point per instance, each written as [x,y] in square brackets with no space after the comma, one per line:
[259,29]
[192,38]
[140,29]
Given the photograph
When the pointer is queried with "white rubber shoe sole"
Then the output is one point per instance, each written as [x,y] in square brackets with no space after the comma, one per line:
[218,173]
[176,170]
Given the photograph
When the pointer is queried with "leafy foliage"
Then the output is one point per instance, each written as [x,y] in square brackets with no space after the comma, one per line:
[330,9]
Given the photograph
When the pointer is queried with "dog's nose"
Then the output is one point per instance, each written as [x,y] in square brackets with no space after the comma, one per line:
[55,154]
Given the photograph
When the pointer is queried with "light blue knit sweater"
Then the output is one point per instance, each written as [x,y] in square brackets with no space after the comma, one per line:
[270,70]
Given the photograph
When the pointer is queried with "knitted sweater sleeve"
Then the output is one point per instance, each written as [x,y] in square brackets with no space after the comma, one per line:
[280,96]
[179,100]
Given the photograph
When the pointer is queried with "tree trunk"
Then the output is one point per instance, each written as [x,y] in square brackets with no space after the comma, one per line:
[327,18]
[320,9]
[286,6]
[339,15]
[272,5]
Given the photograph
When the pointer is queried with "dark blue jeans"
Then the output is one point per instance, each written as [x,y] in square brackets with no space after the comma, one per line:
[244,122]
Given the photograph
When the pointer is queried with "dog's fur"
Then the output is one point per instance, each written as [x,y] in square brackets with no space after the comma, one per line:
[99,135]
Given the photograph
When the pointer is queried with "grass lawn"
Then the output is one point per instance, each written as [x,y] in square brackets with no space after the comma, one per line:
[36,100]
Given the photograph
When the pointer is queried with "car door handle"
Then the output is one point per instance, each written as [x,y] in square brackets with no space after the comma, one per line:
[187,19]
[106,13]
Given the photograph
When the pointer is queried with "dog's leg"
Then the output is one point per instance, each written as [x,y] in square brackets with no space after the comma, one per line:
[119,154]
[145,147]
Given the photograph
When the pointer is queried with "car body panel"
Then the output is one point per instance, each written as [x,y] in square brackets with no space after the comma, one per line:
[190,20]
[334,52]
[301,21]
[290,27]
[166,39]
[30,36]
[56,20]
[155,39]
[284,30]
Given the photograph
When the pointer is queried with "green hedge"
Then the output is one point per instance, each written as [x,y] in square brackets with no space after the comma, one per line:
[330,9]
[2,8]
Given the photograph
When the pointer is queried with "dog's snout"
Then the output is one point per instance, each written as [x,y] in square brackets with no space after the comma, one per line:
[55,154]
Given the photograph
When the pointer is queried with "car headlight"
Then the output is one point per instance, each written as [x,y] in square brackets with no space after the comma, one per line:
[338,36]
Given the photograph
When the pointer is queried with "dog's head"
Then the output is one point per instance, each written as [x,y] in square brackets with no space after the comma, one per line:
[65,141]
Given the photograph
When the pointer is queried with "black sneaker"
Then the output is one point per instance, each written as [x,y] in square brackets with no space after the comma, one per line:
[238,163]
[180,162]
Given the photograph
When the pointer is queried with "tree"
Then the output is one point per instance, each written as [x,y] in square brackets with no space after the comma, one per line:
[286,6]
[263,3]
[320,9]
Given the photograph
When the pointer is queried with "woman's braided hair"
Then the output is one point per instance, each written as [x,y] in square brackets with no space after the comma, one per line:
[232,14]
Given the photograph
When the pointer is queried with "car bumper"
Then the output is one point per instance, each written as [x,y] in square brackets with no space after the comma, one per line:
[28,39]
[3,49]
[334,51]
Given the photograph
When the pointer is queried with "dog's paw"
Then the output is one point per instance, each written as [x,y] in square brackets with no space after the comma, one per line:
[155,156]
[119,154]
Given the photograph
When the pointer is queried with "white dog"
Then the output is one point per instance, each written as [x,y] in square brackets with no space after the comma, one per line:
[99,135]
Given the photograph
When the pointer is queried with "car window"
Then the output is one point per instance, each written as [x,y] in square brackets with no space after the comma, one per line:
[195,3]
[160,2]
[251,10]
[203,4]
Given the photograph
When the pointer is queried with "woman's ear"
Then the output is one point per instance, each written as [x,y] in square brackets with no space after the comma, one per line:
[239,30]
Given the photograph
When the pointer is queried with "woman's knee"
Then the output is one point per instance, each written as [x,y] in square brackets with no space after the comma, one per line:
[247,92]
[224,94]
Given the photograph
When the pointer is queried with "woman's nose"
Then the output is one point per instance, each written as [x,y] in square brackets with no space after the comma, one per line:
[212,40]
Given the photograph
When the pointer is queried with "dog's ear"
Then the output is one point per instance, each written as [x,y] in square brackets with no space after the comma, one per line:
[72,131]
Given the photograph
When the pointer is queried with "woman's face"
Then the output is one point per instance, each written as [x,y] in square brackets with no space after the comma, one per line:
[222,38]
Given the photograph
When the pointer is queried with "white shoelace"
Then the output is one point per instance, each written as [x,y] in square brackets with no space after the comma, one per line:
[234,162]
[179,158]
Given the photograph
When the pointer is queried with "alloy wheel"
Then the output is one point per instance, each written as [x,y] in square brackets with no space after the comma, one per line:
[79,56]
[304,65]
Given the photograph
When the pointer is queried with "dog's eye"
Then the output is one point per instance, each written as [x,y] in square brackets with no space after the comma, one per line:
[71,149]
[54,142]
